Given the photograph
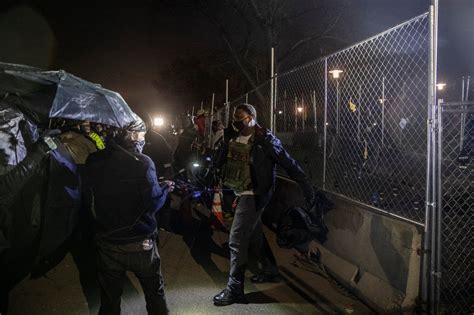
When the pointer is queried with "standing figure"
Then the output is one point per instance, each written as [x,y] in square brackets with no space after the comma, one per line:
[249,169]
[127,196]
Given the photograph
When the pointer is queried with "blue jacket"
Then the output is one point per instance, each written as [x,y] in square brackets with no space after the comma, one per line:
[126,193]
[267,153]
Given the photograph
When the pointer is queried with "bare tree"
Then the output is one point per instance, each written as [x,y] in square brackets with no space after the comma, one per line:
[249,28]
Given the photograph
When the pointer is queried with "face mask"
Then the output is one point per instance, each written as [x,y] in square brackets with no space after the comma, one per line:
[238,125]
[139,145]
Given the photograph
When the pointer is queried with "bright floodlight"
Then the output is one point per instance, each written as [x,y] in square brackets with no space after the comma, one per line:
[300,109]
[158,121]
[440,86]
[335,73]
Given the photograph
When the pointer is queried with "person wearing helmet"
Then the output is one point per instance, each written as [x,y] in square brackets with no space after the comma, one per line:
[127,196]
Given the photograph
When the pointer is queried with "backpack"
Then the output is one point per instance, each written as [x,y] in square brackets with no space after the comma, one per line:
[297,226]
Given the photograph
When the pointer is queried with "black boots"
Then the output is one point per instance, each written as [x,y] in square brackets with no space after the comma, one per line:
[227,297]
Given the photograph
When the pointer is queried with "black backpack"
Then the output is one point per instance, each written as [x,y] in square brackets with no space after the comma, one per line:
[297,226]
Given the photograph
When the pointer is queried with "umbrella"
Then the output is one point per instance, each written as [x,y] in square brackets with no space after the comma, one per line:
[50,94]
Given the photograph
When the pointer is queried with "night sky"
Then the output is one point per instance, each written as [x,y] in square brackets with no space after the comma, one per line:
[127,47]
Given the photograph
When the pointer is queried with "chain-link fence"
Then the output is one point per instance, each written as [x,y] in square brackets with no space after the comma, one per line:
[357,122]
[376,120]
[367,107]
[456,207]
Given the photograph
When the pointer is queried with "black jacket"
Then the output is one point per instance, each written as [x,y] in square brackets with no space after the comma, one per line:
[12,183]
[126,192]
[266,153]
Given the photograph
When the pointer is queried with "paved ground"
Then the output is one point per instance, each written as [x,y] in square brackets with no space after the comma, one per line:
[195,269]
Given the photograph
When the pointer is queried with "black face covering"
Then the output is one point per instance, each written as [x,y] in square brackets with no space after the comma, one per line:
[238,125]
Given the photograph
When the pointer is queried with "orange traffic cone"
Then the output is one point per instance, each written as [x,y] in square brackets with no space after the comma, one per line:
[217,206]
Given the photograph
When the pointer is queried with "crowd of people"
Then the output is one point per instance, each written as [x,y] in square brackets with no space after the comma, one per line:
[126,178]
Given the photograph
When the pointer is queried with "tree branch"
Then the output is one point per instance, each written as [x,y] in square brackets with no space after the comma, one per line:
[308,39]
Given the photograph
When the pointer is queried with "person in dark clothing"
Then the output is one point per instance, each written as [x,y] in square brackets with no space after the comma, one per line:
[158,149]
[249,168]
[127,196]
[11,185]
[183,155]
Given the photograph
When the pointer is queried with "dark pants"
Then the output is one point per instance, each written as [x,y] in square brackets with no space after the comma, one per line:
[112,263]
[247,234]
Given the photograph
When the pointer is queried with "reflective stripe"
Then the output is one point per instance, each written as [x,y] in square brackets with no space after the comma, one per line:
[99,143]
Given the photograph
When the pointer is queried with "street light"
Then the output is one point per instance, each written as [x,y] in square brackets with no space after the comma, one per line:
[300,109]
[440,86]
[280,112]
[335,75]
[158,121]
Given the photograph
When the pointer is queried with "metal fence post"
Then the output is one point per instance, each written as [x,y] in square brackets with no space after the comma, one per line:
[285,118]
[464,98]
[429,252]
[275,91]
[383,109]
[439,204]
[359,110]
[272,86]
[325,119]
[296,113]
[226,109]
[211,120]
[337,106]
[314,112]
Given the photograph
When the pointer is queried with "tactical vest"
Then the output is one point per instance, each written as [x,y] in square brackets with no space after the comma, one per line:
[237,171]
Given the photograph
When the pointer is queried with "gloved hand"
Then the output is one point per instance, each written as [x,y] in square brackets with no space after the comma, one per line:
[170,184]
[47,137]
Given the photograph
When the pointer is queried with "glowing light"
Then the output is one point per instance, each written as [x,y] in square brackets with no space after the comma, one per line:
[382,100]
[196,164]
[280,112]
[158,121]
[300,109]
[335,73]
[440,86]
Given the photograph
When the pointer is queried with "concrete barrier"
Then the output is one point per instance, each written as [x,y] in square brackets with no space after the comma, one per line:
[372,254]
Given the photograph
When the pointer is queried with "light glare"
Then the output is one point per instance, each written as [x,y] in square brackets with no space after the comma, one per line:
[335,73]
[158,121]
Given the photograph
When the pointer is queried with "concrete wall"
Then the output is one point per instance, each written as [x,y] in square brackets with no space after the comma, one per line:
[372,254]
